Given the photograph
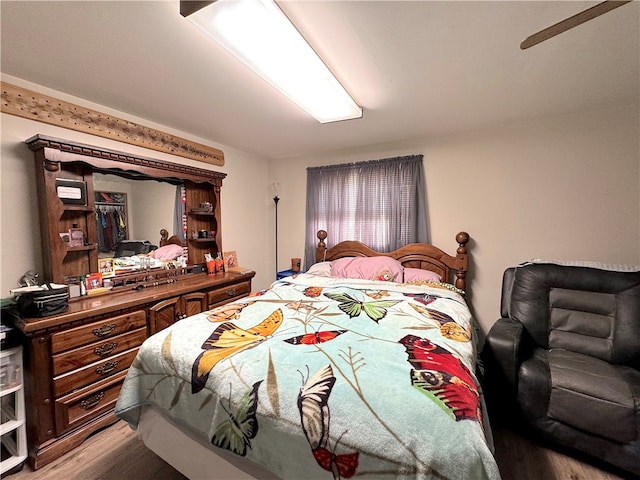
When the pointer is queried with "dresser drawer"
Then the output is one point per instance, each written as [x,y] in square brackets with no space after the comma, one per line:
[81,356]
[106,328]
[228,293]
[83,405]
[93,372]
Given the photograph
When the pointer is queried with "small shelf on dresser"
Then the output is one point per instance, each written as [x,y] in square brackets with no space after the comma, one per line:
[77,208]
[202,214]
[81,248]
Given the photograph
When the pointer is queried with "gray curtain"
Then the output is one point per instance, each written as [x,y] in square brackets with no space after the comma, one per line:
[178,213]
[381,203]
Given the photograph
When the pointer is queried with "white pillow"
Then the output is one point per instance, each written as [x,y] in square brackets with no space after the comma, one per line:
[322,269]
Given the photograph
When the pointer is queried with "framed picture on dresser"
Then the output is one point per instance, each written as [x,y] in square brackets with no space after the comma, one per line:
[230,259]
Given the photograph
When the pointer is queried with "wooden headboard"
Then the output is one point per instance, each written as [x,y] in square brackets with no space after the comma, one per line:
[166,240]
[414,255]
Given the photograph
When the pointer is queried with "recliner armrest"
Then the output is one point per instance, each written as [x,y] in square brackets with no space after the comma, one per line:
[503,347]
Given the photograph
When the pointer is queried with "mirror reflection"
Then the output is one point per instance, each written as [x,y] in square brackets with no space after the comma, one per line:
[129,216]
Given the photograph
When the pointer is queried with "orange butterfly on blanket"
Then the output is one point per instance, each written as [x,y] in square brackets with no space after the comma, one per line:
[313,292]
[226,312]
[227,340]
[448,327]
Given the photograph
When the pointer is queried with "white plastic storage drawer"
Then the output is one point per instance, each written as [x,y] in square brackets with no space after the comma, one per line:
[12,417]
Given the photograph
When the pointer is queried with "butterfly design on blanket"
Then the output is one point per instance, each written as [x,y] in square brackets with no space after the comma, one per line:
[448,326]
[230,311]
[315,337]
[441,375]
[235,433]
[227,340]
[314,415]
[427,298]
[376,310]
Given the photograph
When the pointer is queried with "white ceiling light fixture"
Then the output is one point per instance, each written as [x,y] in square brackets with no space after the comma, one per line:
[259,34]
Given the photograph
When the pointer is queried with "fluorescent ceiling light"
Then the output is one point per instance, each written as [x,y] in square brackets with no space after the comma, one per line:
[258,33]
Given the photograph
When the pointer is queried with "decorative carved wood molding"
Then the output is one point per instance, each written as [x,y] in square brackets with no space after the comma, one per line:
[59,150]
[43,108]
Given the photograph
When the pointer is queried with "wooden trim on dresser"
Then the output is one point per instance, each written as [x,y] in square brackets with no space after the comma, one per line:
[137,166]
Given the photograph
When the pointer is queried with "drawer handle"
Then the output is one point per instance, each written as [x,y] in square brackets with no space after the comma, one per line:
[105,349]
[90,402]
[104,330]
[107,368]
[231,292]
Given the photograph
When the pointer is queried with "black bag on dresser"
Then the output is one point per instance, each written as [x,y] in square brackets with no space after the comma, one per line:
[45,301]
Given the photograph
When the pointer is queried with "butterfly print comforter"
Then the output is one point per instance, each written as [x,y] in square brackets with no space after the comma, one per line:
[325,378]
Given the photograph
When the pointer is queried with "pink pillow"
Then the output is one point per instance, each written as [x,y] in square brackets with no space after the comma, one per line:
[168,252]
[368,268]
[419,275]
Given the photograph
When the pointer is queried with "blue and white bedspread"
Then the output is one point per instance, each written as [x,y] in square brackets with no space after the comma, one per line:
[321,377]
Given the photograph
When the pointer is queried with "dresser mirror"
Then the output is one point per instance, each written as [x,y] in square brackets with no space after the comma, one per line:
[132,210]
[150,185]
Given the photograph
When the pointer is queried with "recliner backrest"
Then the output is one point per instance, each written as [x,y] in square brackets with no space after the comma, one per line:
[581,309]
[507,284]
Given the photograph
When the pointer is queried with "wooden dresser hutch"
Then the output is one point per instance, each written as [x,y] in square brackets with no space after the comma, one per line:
[75,362]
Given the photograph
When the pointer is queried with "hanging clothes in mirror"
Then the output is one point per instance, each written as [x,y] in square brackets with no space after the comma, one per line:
[111,220]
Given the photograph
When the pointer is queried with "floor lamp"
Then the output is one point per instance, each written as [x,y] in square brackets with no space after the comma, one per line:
[276,199]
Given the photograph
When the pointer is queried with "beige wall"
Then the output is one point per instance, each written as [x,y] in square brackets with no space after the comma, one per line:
[151,206]
[244,193]
[556,188]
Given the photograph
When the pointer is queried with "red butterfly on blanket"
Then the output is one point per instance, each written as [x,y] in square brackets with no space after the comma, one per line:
[341,466]
[436,371]
[314,338]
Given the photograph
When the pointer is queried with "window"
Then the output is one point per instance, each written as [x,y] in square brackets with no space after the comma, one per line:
[381,203]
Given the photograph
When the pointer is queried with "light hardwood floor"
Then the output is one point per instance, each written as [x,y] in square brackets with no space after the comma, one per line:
[116,454]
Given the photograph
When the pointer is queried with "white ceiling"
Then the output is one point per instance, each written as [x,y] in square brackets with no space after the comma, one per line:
[418,68]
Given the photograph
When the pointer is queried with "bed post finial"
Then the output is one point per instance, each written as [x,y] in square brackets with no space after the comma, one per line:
[164,236]
[462,260]
[462,238]
[321,249]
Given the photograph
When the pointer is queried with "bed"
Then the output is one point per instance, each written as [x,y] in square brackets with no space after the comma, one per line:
[361,367]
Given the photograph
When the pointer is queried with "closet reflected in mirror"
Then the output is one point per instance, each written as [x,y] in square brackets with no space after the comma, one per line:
[111,218]
[131,213]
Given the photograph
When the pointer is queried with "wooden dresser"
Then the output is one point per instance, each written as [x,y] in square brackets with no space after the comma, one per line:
[75,362]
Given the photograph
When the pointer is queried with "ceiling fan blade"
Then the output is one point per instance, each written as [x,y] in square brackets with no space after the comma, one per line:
[571,22]
[187,7]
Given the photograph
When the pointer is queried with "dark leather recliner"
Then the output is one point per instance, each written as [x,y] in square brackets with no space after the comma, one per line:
[566,357]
